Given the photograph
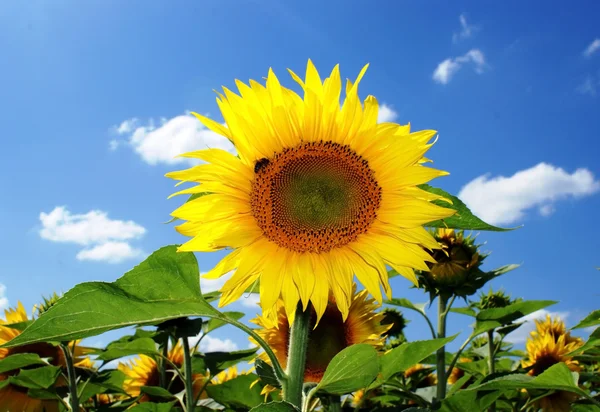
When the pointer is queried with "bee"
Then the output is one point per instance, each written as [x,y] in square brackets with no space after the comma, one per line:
[260,163]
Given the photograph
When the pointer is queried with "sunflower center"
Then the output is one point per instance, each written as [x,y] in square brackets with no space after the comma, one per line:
[324,342]
[314,197]
[542,363]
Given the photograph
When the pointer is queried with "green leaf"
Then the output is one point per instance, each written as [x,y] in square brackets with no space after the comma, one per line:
[20,360]
[557,377]
[112,380]
[405,303]
[488,319]
[463,219]
[145,346]
[266,373]
[218,361]
[464,311]
[216,323]
[236,393]
[592,319]
[47,394]
[408,354]
[156,392]
[351,369]
[20,326]
[591,343]
[165,286]
[38,378]
[275,407]
[152,407]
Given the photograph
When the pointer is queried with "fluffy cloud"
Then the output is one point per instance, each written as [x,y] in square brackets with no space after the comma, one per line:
[211,344]
[522,333]
[172,137]
[589,85]
[466,29]
[449,67]
[106,239]
[386,114]
[250,300]
[503,200]
[211,285]
[592,48]
[3,298]
[110,252]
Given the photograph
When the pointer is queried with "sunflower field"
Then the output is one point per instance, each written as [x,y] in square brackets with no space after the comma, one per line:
[319,209]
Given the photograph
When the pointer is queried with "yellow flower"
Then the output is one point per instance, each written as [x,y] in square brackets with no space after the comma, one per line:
[421,376]
[456,257]
[15,398]
[546,350]
[143,371]
[227,375]
[331,335]
[457,373]
[555,327]
[316,195]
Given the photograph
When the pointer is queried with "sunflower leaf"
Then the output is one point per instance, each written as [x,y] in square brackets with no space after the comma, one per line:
[463,219]
[266,373]
[351,369]
[156,392]
[275,407]
[237,393]
[405,303]
[20,360]
[489,319]
[152,407]
[219,361]
[39,378]
[592,319]
[164,286]
[408,354]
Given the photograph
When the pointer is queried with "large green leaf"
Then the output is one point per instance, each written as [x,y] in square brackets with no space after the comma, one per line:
[351,369]
[38,378]
[20,360]
[266,373]
[218,361]
[236,393]
[117,350]
[152,407]
[463,219]
[592,319]
[557,377]
[164,286]
[275,407]
[157,393]
[488,319]
[405,303]
[408,354]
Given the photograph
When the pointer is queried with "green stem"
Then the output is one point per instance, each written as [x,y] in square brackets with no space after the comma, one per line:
[457,355]
[73,397]
[296,362]
[491,363]
[441,353]
[189,382]
[162,377]
[335,404]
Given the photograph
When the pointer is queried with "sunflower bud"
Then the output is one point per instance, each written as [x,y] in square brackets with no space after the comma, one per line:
[394,318]
[456,270]
[494,300]
[46,304]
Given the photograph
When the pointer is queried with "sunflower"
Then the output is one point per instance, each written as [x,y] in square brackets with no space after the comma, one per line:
[546,350]
[420,375]
[15,398]
[227,375]
[457,373]
[318,193]
[330,336]
[555,327]
[457,256]
[143,371]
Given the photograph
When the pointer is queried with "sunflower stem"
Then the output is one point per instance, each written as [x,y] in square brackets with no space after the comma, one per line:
[296,362]
[189,383]
[491,363]
[441,353]
[334,404]
[73,397]
[162,377]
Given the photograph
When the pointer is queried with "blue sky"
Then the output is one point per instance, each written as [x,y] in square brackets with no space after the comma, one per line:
[95,96]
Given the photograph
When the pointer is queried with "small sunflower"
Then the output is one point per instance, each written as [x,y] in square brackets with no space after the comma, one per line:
[545,351]
[555,327]
[420,376]
[143,371]
[457,373]
[494,300]
[396,320]
[15,398]
[227,375]
[330,336]
[316,195]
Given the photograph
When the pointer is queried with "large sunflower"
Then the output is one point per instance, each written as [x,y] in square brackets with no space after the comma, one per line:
[331,335]
[317,194]
[546,350]
[555,327]
[14,397]
[143,371]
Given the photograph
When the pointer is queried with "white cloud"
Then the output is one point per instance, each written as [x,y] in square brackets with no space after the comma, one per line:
[106,238]
[93,227]
[466,29]
[110,252]
[386,114]
[211,285]
[171,138]
[449,67]
[210,344]
[522,333]
[3,298]
[589,86]
[502,199]
[114,144]
[250,300]
[592,48]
